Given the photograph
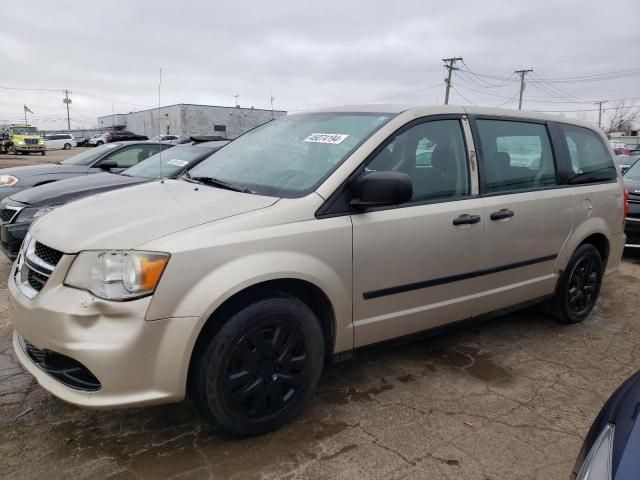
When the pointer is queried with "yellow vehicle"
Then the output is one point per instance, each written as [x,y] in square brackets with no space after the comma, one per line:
[25,139]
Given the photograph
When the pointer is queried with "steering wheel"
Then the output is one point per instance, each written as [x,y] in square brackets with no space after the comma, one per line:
[289,175]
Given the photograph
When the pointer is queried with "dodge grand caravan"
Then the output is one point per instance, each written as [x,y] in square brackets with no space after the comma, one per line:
[304,240]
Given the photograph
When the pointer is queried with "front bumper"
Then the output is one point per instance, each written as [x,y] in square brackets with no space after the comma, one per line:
[30,148]
[136,362]
[11,237]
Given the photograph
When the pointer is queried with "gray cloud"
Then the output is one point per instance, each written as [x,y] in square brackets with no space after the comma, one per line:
[308,55]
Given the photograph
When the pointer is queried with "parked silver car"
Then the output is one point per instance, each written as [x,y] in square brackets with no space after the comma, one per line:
[305,240]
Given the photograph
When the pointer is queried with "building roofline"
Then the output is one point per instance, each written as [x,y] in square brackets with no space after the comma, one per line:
[195,105]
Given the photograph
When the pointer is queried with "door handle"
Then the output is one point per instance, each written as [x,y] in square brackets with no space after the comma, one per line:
[466,219]
[502,214]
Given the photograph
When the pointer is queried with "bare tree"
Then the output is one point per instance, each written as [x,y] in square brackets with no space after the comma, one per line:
[621,117]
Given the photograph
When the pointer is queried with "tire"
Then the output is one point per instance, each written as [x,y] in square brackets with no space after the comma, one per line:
[244,380]
[67,146]
[43,153]
[578,289]
[98,143]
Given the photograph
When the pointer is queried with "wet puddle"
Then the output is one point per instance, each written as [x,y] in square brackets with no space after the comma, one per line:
[472,361]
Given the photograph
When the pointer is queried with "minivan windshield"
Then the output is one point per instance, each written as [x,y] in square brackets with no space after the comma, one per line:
[173,160]
[290,156]
[90,156]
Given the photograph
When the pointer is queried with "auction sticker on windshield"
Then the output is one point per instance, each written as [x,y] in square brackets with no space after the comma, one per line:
[177,163]
[333,138]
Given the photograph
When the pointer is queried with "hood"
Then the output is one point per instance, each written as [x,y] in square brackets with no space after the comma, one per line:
[128,218]
[43,169]
[64,191]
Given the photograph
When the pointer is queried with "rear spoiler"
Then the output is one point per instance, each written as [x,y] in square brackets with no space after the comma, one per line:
[209,138]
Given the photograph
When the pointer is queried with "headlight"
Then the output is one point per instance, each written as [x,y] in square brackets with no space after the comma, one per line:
[117,274]
[20,142]
[8,180]
[597,465]
[30,214]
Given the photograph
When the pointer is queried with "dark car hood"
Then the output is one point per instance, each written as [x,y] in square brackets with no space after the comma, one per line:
[28,171]
[64,191]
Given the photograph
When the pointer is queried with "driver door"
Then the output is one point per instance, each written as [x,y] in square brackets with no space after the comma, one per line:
[413,264]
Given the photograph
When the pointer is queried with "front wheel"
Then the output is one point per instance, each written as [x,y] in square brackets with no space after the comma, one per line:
[100,142]
[67,146]
[43,153]
[262,366]
[579,286]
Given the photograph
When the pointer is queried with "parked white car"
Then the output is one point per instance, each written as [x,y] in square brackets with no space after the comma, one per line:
[57,141]
[100,139]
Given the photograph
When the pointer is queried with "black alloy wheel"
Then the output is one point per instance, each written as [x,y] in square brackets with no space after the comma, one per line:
[265,370]
[257,371]
[579,286]
[583,285]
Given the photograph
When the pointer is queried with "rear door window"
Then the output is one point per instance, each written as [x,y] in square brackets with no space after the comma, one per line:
[515,156]
[590,159]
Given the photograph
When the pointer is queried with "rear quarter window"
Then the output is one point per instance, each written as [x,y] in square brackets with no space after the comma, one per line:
[590,159]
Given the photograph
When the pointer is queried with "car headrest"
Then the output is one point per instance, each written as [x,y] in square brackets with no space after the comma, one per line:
[442,158]
[501,160]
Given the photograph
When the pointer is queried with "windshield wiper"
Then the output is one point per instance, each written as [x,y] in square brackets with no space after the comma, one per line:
[214,182]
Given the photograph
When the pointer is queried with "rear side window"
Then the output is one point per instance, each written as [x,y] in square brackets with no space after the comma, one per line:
[516,156]
[590,159]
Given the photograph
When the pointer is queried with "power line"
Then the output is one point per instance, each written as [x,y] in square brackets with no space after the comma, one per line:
[594,77]
[399,94]
[463,97]
[33,89]
[583,110]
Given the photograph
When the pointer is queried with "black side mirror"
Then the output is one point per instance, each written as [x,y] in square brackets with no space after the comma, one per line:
[108,165]
[381,189]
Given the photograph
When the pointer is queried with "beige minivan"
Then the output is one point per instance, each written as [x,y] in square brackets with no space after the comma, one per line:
[305,240]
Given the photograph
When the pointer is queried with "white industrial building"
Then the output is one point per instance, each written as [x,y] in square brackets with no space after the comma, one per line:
[186,120]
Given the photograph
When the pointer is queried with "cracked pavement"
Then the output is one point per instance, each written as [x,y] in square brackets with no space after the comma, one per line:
[508,399]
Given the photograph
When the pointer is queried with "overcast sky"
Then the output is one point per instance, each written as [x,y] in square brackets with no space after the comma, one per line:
[310,54]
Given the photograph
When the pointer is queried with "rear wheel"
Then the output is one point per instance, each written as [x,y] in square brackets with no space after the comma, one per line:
[261,367]
[579,286]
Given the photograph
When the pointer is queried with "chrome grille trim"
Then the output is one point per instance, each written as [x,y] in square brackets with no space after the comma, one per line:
[16,211]
[33,259]
[28,265]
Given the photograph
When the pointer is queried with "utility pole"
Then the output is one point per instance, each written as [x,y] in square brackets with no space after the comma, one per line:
[522,74]
[450,65]
[236,97]
[272,99]
[600,111]
[67,100]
